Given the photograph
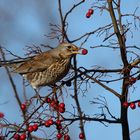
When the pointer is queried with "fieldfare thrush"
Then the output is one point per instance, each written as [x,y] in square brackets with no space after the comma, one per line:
[47,68]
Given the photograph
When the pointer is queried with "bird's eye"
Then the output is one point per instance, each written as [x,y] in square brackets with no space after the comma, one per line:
[69,47]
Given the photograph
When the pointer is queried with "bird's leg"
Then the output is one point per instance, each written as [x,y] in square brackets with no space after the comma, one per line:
[54,89]
[60,93]
[56,95]
[37,95]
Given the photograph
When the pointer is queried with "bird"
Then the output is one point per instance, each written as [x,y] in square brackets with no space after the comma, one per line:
[46,68]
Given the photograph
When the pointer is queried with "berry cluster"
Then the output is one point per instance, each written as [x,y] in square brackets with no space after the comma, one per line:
[59,136]
[131,105]
[20,137]
[59,107]
[47,123]
[58,124]
[30,129]
[89,13]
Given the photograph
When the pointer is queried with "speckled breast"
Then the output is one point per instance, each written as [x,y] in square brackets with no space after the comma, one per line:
[50,76]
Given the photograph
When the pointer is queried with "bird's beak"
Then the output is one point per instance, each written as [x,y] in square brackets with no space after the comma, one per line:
[76,51]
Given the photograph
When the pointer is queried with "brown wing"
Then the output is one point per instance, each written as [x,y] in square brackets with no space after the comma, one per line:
[37,63]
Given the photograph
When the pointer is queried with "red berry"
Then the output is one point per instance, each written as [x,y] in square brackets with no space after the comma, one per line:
[58,122]
[53,104]
[1,115]
[132,80]
[81,136]
[1,137]
[23,137]
[48,100]
[35,127]
[90,11]
[50,121]
[61,110]
[125,104]
[23,107]
[132,106]
[59,136]
[62,105]
[84,51]
[55,101]
[59,127]
[30,128]
[138,104]
[47,124]
[88,15]
[66,137]
[16,137]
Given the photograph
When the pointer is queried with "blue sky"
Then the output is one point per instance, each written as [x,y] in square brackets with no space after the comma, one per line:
[25,23]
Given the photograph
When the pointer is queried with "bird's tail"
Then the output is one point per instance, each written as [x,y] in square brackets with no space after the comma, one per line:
[3,63]
[11,64]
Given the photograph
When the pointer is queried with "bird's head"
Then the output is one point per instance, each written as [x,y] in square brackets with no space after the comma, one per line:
[67,50]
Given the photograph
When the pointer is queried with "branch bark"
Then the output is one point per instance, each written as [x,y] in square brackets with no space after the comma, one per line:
[77,100]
